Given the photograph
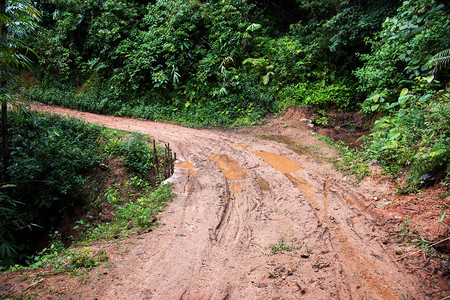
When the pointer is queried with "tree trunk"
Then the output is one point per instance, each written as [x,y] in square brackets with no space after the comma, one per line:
[5,141]
[4,103]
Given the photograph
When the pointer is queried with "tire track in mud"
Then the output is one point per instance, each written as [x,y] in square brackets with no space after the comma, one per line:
[360,264]
[236,196]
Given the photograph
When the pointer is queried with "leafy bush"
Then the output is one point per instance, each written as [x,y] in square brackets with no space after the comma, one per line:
[415,137]
[317,94]
[51,159]
[131,214]
[49,155]
[9,222]
[136,152]
[400,52]
[351,161]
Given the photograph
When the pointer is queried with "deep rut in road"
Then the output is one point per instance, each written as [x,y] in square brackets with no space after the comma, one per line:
[238,198]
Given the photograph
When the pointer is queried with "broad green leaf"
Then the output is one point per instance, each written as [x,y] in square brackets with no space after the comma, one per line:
[253,27]
[404,92]
[375,98]
[393,105]
[424,97]
[442,216]
[266,79]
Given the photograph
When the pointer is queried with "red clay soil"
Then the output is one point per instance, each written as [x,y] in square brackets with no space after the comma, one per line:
[238,196]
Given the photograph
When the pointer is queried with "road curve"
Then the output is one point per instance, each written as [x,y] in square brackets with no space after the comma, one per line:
[238,198]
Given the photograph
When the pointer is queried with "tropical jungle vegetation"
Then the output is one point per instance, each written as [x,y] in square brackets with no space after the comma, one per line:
[225,63]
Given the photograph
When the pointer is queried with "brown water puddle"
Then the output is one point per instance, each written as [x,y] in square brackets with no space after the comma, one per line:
[278,138]
[244,146]
[279,162]
[287,167]
[236,188]
[229,166]
[187,165]
[263,185]
[304,186]
[299,149]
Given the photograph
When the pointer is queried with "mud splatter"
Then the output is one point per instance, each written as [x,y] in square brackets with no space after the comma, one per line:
[236,188]
[187,165]
[263,185]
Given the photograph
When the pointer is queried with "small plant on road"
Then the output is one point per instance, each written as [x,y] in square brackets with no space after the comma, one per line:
[281,247]
[405,228]
[351,162]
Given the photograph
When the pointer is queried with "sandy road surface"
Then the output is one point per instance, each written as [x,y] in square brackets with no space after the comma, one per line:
[237,195]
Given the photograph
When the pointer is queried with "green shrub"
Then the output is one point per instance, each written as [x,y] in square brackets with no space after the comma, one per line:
[134,214]
[351,161]
[400,52]
[416,137]
[317,94]
[136,152]
[49,157]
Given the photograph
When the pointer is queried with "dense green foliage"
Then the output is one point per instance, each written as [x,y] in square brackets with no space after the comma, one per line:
[167,60]
[48,157]
[232,62]
[205,63]
[16,22]
[53,160]
[402,81]
[415,137]
[400,52]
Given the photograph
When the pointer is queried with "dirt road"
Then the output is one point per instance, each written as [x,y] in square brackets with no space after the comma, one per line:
[240,197]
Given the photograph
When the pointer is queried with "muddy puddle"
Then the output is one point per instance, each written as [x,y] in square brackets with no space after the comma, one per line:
[294,146]
[280,162]
[244,146]
[229,166]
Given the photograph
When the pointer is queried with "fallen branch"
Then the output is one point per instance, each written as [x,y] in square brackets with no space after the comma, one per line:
[430,294]
[448,238]
[33,284]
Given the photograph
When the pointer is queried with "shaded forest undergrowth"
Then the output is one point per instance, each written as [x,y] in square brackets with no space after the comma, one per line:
[80,183]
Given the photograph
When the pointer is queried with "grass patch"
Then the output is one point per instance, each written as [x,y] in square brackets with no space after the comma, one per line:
[350,161]
[128,215]
[281,247]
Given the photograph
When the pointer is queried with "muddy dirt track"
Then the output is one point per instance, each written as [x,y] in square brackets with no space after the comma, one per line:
[237,195]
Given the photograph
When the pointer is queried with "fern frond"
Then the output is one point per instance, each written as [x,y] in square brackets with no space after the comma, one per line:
[439,60]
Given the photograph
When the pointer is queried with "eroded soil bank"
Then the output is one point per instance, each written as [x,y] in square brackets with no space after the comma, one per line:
[240,201]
